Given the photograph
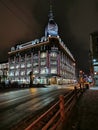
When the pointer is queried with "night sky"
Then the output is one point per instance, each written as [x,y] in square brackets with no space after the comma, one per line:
[25,20]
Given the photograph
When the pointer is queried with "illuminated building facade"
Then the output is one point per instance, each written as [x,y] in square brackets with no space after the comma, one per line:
[47,61]
[4,72]
[94,56]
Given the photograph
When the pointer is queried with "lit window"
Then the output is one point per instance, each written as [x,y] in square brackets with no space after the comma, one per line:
[22,58]
[35,70]
[12,67]
[35,56]
[1,72]
[44,70]
[28,71]
[22,72]
[60,71]
[11,73]
[96,68]
[94,60]
[22,65]
[53,54]
[16,79]
[54,63]
[43,63]
[43,55]
[53,70]
[17,73]
[17,66]
[29,65]
[35,64]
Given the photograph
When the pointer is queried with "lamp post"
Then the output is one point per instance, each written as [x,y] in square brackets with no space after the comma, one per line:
[46,72]
[81,81]
[31,78]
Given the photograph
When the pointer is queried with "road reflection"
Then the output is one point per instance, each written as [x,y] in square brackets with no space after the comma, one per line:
[19,104]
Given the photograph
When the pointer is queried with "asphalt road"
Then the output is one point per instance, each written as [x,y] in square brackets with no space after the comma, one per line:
[18,104]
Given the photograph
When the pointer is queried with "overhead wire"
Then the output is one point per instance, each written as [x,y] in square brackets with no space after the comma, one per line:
[20,9]
[13,12]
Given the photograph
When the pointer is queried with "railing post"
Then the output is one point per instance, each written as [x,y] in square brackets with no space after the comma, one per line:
[75,88]
[76,92]
[62,111]
[82,87]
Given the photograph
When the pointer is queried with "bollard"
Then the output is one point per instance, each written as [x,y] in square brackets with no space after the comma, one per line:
[62,112]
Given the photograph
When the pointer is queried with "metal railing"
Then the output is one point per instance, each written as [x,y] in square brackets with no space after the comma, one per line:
[58,113]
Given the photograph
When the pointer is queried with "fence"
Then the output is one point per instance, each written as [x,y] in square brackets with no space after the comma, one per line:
[58,113]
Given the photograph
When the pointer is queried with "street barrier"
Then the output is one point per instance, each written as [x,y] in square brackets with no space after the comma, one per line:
[58,114]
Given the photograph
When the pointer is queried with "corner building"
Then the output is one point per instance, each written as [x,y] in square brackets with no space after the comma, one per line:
[48,60]
[94,56]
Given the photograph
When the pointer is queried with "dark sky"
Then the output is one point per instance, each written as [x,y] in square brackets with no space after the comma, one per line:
[25,20]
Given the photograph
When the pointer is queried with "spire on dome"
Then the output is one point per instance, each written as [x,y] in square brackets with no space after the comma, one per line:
[51,12]
[52,28]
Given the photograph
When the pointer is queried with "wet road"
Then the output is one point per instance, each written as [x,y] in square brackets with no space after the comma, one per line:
[19,104]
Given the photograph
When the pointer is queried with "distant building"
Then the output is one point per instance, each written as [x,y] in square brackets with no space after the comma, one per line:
[94,56]
[45,61]
[3,72]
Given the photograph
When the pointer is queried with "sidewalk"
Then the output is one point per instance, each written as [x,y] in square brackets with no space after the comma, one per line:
[85,115]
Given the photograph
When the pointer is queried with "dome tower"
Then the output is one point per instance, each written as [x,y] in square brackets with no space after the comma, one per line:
[52,27]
